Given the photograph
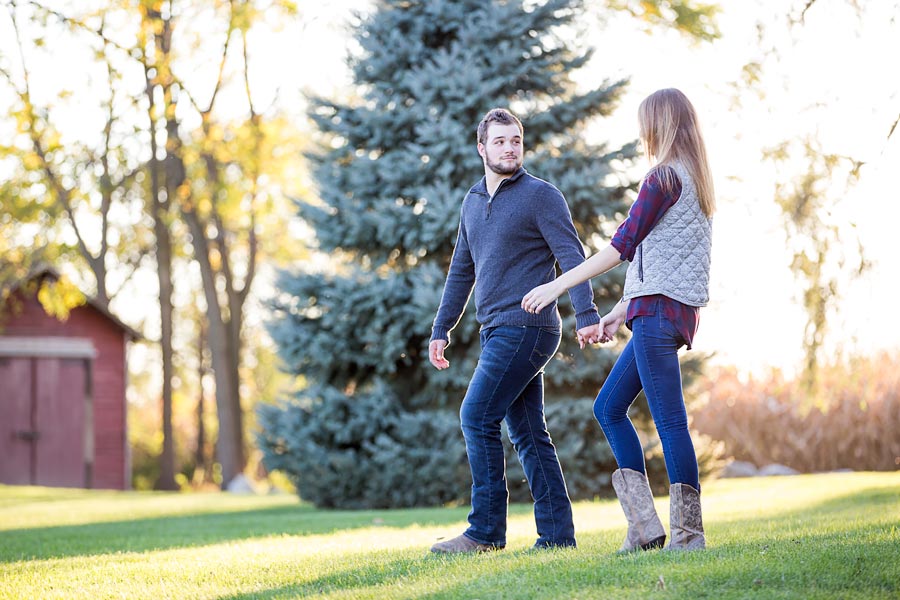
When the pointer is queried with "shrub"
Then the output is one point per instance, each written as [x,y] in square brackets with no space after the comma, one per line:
[853,425]
[364,451]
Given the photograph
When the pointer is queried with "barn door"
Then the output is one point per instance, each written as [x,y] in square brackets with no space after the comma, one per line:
[43,443]
[15,421]
[59,420]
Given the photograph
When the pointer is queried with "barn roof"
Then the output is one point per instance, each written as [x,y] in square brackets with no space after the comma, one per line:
[44,271]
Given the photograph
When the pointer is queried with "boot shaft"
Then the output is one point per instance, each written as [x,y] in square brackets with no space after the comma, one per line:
[685,518]
[645,530]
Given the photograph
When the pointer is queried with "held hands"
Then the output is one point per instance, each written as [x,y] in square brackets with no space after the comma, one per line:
[436,354]
[541,297]
[606,329]
[589,335]
[544,295]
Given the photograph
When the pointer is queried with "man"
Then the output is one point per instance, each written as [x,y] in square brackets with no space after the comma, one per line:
[513,229]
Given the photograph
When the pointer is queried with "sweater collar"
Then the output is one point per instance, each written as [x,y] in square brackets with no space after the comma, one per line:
[481,186]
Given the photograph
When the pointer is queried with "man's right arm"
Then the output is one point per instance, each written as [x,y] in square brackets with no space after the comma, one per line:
[457,288]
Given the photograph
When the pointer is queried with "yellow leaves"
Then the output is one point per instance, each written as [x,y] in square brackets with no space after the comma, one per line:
[751,73]
[59,297]
[245,14]
[650,9]
[290,7]
[215,259]
[51,140]
[157,26]
[183,192]
[215,133]
[31,161]
[152,6]
[693,19]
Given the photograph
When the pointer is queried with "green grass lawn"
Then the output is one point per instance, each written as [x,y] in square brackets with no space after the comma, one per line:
[818,536]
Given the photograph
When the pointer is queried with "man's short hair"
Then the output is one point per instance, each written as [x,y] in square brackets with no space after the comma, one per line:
[497,115]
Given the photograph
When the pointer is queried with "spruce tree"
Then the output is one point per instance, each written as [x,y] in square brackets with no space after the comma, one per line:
[376,424]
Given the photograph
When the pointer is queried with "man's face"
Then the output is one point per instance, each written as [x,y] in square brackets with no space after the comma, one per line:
[503,148]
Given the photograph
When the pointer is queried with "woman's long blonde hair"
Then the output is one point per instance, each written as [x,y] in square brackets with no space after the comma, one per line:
[670,132]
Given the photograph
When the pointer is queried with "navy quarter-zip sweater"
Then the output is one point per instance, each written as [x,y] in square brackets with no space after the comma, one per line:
[506,246]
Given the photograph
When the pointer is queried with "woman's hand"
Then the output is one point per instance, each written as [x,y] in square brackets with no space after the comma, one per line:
[541,297]
[610,323]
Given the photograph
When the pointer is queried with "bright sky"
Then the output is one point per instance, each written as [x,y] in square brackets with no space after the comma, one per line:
[753,319]
[821,83]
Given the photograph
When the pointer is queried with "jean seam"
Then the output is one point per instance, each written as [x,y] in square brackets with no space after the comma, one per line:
[543,474]
[535,350]
[538,458]
[484,414]
[606,421]
[667,327]
[653,383]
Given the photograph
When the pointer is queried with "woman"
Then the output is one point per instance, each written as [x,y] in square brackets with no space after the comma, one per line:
[667,238]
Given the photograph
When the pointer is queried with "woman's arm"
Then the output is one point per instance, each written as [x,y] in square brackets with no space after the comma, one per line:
[651,204]
[544,295]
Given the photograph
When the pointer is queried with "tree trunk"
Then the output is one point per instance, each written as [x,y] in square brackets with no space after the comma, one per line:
[234,370]
[200,454]
[230,442]
[160,206]
[164,270]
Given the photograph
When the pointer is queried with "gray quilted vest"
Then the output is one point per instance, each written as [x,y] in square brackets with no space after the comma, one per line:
[674,258]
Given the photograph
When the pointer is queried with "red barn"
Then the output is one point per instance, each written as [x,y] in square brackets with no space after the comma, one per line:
[62,394]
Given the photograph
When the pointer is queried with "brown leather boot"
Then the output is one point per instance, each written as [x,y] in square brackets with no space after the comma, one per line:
[461,545]
[686,519]
[645,530]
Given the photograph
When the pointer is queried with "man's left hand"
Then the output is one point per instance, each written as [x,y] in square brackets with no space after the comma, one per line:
[589,335]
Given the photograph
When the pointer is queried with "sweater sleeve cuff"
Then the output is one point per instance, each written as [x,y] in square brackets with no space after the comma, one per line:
[587,318]
[442,333]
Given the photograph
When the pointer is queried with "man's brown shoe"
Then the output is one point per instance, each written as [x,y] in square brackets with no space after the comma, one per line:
[462,545]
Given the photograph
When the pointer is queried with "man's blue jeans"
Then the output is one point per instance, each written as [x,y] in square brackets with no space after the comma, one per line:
[508,383]
[649,362]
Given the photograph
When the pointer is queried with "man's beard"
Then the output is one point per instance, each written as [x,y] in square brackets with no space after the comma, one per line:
[500,169]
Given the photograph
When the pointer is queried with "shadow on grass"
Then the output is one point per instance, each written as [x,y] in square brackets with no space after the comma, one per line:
[167,532]
[163,533]
[394,574]
[829,566]
[781,559]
